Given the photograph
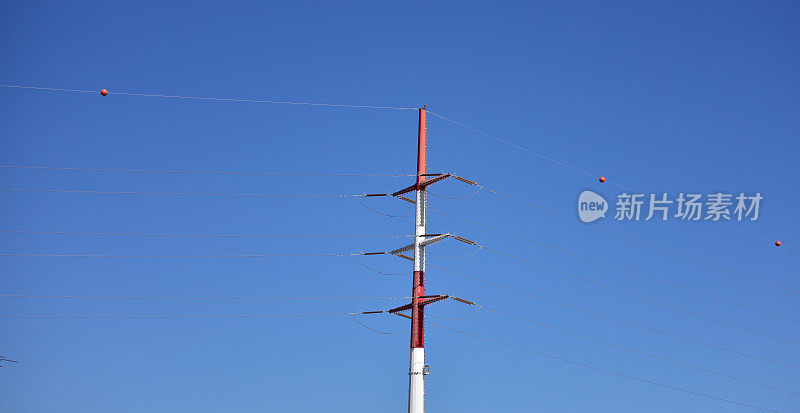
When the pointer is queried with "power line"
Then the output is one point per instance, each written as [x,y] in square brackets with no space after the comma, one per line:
[386,333]
[73,191]
[613,318]
[621,347]
[54,168]
[540,155]
[155,95]
[488,135]
[470,314]
[379,212]
[196,235]
[248,100]
[581,171]
[477,250]
[179,316]
[108,297]
[178,256]
[650,300]
[456,197]
[49,88]
[616,373]
[616,267]
[378,271]
[668,250]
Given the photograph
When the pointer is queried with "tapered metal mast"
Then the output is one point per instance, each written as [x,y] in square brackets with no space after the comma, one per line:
[416,381]
[417,369]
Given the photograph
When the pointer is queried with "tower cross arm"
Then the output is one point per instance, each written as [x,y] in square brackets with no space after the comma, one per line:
[425,300]
[424,184]
[431,240]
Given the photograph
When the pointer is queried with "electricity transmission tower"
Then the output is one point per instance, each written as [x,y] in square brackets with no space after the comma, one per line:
[418,369]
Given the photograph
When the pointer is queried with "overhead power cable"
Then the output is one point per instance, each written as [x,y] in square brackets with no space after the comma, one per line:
[488,135]
[568,166]
[625,348]
[468,315]
[178,256]
[379,212]
[135,234]
[183,315]
[156,95]
[589,366]
[477,250]
[454,197]
[665,249]
[378,271]
[640,297]
[75,191]
[109,297]
[104,92]
[615,319]
[616,267]
[374,330]
[54,168]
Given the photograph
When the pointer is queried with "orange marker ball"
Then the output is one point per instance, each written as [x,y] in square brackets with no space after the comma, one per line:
[777,243]
[602,179]
[104,92]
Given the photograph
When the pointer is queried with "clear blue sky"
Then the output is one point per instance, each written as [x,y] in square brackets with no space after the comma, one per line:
[664,97]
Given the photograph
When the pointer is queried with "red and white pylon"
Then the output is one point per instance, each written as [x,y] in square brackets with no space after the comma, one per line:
[417,369]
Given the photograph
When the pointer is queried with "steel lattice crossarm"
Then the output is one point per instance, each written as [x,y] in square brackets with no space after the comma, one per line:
[422,185]
[423,301]
[427,241]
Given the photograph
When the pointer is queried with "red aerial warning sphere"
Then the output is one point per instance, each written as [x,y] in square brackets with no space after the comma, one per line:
[103,92]
[777,243]
[602,179]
